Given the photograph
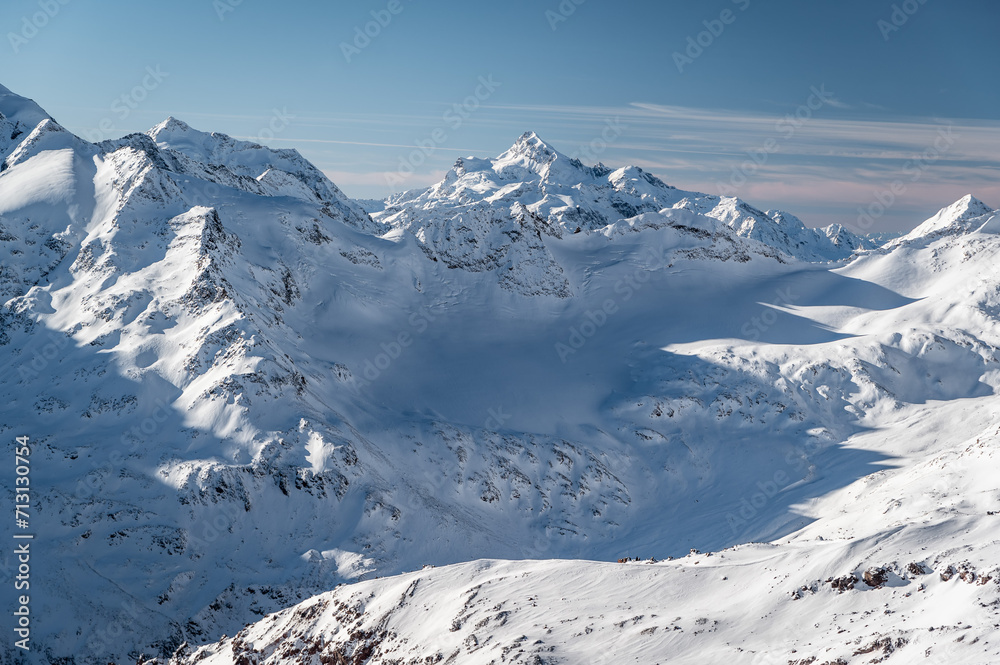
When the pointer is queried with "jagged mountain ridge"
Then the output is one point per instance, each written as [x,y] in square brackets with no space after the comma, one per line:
[241,396]
[571,197]
[254,168]
[19,116]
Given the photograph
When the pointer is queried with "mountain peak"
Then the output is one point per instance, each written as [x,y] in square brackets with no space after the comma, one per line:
[970,202]
[531,147]
[530,154]
[967,207]
[173,123]
[530,137]
[170,126]
[16,108]
[955,217]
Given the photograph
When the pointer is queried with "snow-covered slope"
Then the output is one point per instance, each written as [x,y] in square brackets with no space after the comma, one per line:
[254,168]
[243,391]
[570,197]
[18,116]
[754,604]
[881,518]
[966,214]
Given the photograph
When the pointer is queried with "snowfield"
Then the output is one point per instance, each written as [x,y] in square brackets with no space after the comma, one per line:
[271,427]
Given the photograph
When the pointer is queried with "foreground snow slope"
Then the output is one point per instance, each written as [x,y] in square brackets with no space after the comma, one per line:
[243,390]
[901,565]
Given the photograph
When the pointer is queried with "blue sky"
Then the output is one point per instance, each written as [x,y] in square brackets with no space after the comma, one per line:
[886,93]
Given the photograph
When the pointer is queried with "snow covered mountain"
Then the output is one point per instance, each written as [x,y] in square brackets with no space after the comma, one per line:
[243,391]
[880,524]
[479,202]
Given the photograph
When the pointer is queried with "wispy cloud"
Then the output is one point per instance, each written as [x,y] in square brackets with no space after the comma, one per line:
[824,164]
[465,151]
[378,180]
